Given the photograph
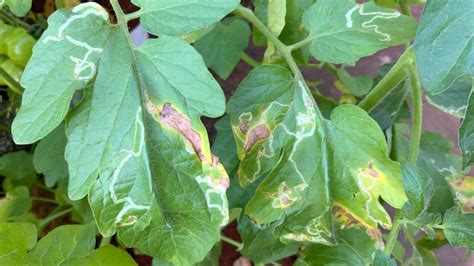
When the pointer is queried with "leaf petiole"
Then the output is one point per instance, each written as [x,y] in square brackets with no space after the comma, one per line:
[11,83]
[46,221]
[234,243]
[300,44]
[249,60]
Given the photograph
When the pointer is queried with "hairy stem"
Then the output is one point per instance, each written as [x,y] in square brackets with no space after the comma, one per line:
[396,75]
[11,83]
[392,237]
[232,242]
[249,60]
[417,102]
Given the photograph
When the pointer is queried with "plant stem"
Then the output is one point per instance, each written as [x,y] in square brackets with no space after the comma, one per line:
[121,19]
[249,60]
[396,75]
[300,44]
[11,83]
[44,200]
[232,242]
[13,19]
[105,241]
[392,237]
[281,47]
[417,102]
[405,7]
[133,15]
[46,221]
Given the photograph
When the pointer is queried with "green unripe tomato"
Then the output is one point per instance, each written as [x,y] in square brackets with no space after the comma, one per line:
[13,70]
[5,31]
[20,51]
[2,59]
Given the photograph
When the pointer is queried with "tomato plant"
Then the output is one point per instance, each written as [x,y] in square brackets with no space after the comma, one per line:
[120,151]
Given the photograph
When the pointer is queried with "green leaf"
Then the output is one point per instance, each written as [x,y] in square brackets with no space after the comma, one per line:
[354,248]
[64,60]
[18,169]
[383,260]
[344,31]
[181,16]
[357,86]
[222,48]
[441,61]
[212,258]
[106,255]
[396,3]
[65,245]
[16,203]
[454,100]
[259,243]
[224,145]
[18,7]
[15,240]
[311,167]
[48,157]
[466,134]
[157,178]
[459,228]
[436,158]
[419,191]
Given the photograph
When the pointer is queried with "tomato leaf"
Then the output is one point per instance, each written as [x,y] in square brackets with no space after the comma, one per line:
[68,245]
[181,16]
[419,191]
[16,203]
[277,131]
[18,169]
[344,31]
[222,48]
[459,228]
[466,134]
[64,60]
[354,247]
[18,7]
[260,245]
[441,61]
[48,157]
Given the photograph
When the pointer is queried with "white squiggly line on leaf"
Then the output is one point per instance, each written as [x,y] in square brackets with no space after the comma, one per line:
[368,24]
[129,204]
[220,191]
[81,64]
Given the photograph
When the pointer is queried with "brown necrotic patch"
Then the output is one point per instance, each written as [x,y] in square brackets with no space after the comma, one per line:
[182,124]
[346,219]
[260,132]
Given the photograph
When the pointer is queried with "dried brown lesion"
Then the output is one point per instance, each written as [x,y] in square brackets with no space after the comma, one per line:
[182,124]
[258,133]
[346,218]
